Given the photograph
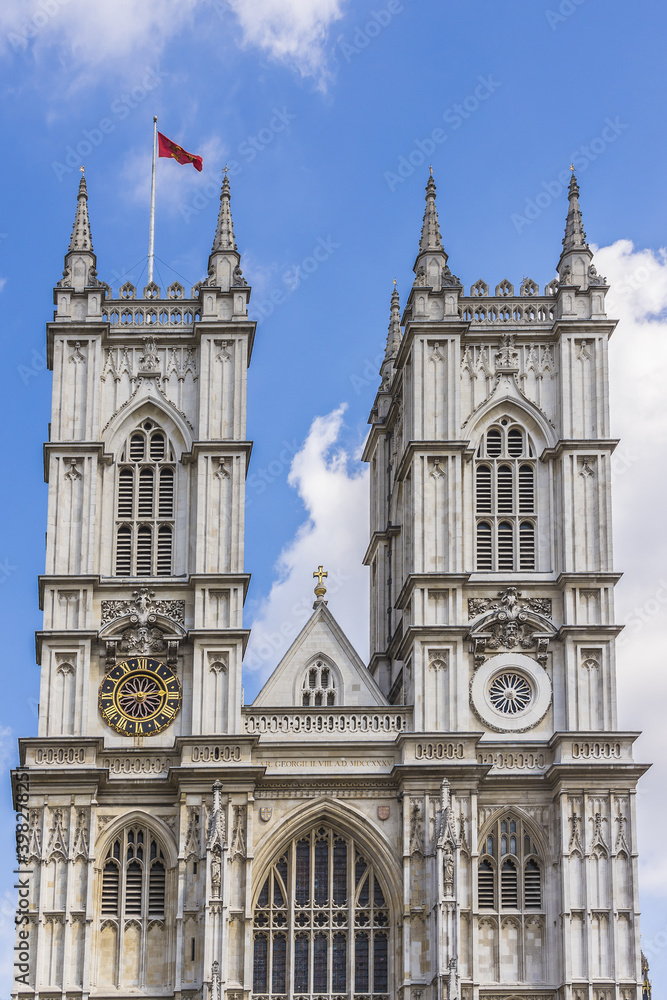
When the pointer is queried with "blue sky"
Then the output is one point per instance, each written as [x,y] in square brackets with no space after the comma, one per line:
[329,113]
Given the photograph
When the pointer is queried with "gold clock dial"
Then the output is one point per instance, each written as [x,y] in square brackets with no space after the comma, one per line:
[140,697]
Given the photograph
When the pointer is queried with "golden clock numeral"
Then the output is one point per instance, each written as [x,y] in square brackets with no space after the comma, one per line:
[139,728]
[143,663]
[169,711]
[121,723]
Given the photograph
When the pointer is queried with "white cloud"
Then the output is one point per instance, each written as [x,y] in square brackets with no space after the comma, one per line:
[121,33]
[333,487]
[89,33]
[638,367]
[293,32]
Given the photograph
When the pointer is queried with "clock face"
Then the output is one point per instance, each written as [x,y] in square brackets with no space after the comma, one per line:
[140,697]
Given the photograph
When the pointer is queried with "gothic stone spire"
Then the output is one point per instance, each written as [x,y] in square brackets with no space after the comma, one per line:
[81,238]
[224,233]
[224,262]
[575,259]
[430,238]
[394,337]
[431,267]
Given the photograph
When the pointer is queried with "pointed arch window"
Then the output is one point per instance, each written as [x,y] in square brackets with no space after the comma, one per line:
[321,923]
[319,686]
[145,504]
[133,907]
[505,503]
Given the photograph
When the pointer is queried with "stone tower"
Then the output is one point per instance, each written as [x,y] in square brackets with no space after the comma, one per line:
[143,634]
[492,611]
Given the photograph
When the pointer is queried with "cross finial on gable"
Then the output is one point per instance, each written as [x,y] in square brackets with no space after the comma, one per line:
[320,589]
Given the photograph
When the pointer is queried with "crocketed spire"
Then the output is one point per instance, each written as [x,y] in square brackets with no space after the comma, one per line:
[224,233]
[575,237]
[394,334]
[394,337]
[81,238]
[430,238]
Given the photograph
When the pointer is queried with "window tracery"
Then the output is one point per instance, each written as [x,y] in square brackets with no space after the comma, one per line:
[510,900]
[321,923]
[319,686]
[133,909]
[505,503]
[145,504]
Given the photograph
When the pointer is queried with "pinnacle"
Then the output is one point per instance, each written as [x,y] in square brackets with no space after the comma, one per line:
[224,233]
[81,238]
[394,336]
[430,237]
[575,237]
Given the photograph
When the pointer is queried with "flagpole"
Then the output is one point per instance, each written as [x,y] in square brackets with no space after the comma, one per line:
[151,234]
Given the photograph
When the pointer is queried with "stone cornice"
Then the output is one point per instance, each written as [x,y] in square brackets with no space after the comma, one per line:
[74,449]
[429,448]
[565,445]
[217,447]
[443,581]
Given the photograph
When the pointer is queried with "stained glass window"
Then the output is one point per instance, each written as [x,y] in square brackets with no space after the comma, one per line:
[322,923]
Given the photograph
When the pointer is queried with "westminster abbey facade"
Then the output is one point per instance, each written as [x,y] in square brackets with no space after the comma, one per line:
[454,820]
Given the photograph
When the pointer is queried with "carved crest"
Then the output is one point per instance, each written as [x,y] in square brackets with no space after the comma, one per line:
[265,813]
[383,812]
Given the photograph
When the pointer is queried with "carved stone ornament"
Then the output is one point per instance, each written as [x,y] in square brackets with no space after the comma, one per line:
[416,827]
[265,813]
[507,358]
[510,622]
[216,873]
[143,609]
[383,812]
[192,836]
[238,844]
[216,832]
[80,844]
[142,640]
[57,837]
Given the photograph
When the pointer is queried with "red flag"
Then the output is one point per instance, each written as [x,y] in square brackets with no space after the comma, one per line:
[168,148]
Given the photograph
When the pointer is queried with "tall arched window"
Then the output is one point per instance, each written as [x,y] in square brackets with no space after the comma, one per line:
[319,686]
[510,897]
[145,503]
[505,504]
[321,923]
[133,902]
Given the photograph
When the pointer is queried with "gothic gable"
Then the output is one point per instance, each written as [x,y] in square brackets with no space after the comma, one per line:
[320,669]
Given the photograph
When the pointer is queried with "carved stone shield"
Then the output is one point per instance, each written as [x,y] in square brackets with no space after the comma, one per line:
[265,813]
[383,812]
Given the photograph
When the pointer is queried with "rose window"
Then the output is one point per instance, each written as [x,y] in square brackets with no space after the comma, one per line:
[510,693]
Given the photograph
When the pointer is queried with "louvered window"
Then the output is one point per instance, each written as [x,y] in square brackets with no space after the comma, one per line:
[145,505]
[532,886]
[134,888]
[504,490]
[486,886]
[526,545]
[110,888]
[509,878]
[509,886]
[322,903]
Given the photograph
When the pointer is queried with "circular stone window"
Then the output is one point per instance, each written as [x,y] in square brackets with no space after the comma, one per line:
[510,692]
